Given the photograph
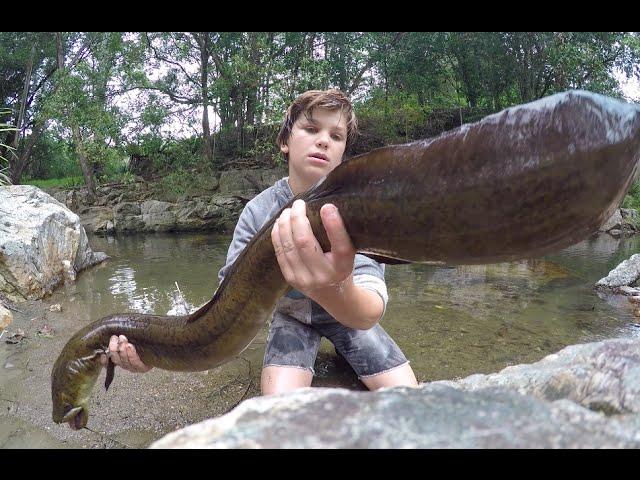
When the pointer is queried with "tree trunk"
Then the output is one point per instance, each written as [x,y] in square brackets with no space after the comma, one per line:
[25,94]
[17,165]
[203,42]
[87,170]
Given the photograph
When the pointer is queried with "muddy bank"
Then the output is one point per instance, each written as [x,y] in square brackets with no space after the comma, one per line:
[156,403]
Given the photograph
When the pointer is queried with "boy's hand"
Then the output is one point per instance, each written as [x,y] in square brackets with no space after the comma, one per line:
[124,355]
[303,263]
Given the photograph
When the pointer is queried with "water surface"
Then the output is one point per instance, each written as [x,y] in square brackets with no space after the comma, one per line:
[450,321]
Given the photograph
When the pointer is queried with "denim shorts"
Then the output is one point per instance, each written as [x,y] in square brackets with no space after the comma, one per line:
[292,343]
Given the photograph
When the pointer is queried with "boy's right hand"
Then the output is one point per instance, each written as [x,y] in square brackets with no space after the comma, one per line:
[124,355]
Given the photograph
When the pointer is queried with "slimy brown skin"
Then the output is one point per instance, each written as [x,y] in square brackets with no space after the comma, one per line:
[524,182]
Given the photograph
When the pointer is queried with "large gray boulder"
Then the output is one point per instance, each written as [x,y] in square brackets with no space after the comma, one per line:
[42,243]
[601,376]
[585,396]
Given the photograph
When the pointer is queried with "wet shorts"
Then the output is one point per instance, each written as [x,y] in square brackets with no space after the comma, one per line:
[292,343]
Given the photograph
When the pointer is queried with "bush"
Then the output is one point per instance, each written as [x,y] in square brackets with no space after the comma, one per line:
[52,158]
[632,198]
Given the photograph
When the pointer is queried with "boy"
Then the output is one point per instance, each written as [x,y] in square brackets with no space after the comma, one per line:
[338,294]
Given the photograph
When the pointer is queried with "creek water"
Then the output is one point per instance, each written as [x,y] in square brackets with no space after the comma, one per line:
[449,321]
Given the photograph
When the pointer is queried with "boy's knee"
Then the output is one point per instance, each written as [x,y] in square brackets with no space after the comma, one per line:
[284,379]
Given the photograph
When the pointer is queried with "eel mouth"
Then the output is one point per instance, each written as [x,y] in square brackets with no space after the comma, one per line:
[77,418]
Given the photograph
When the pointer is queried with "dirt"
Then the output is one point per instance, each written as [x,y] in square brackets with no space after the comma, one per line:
[138,408]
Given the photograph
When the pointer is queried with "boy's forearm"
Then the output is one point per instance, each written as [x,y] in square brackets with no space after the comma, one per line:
[353,306]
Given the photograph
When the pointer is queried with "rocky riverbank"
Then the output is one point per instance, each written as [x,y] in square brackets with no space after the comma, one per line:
[137,207]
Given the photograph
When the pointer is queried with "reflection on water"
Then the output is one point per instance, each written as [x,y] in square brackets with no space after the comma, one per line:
[449,321]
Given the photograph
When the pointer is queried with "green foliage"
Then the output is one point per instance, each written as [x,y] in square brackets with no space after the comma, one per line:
[181,182]
[632,198]
[406,85]
[178,181]
[53,157]
[65,182]
[167,155]
[4,168]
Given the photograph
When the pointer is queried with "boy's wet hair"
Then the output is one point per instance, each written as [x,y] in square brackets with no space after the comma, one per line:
[305,103]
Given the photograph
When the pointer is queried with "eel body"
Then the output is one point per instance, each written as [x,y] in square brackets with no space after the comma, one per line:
[521,183]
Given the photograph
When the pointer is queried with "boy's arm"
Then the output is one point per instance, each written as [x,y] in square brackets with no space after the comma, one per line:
[350,304]
[326,278]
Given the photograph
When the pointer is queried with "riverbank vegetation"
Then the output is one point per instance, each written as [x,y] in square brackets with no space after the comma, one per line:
[93,108]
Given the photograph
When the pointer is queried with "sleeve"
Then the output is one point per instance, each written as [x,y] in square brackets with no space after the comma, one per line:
[369,274]
[242,235]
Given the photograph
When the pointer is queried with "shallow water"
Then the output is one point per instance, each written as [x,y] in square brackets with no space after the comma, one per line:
[450,322]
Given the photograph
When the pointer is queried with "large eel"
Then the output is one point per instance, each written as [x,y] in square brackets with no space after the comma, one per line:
[523,182]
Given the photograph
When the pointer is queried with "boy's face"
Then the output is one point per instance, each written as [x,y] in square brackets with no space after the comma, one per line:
[315,147]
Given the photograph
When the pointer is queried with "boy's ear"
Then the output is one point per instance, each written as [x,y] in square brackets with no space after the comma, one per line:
[284,148]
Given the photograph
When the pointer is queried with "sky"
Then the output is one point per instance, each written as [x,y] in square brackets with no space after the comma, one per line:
[630,87]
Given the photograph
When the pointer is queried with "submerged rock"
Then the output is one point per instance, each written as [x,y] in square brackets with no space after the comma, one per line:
[42,243]
[585,396]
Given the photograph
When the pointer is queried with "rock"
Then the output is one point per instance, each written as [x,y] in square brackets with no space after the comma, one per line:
[56,307]
[615,221]
[127,208]
[629,291]
[6,317]
[235,181]
[151,207]
[559,402]
[629,214]
[59,195]
[249,181]
[128,223]
[624,274]
[218,212]
[43,246]
[601,376]
[97,219]
[622,221]
[158,216]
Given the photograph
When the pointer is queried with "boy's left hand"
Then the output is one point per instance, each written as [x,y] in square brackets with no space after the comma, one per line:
[303,263]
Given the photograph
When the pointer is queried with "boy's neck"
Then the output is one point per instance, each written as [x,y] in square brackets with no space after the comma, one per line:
[297,186]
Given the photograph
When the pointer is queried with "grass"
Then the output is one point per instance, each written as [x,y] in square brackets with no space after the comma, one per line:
[66,182]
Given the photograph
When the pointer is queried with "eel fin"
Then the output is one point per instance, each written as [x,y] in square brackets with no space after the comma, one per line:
[110,373]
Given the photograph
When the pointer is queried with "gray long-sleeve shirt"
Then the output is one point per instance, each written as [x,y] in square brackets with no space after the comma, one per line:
[367,273]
